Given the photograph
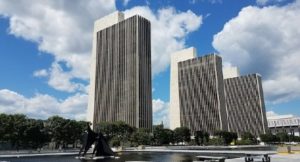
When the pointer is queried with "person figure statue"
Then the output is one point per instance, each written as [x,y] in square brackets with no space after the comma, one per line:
[101,147]
[89,138]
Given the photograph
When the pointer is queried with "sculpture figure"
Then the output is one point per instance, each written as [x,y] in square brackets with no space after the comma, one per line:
[101,146]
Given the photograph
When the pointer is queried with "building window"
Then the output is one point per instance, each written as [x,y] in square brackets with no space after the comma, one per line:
[292,132]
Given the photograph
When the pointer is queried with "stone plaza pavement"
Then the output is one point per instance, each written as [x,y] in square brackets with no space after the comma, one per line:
[274,158]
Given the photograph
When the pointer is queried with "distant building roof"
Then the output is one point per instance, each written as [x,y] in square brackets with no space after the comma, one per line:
[280,117]
[283,121]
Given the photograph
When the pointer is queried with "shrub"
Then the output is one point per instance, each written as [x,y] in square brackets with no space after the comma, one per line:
[216,141]
[245,142]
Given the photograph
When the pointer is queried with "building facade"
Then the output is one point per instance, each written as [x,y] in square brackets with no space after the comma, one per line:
[201,94]
[120,88]
[182,55]
[230,72]
[284,123]
[245,104]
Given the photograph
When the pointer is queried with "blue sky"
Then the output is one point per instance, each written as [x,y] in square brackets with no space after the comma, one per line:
[45,49]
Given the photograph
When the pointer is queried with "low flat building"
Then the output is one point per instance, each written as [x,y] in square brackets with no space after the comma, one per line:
[284,123]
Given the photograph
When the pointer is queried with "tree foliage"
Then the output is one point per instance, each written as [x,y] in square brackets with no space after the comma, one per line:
[141,137]
[227,137]
[283,137]
[182,134]
[268,138]
[247,139]
[64,131]
[23,132]
[162,136]
[118,131]
[201,137]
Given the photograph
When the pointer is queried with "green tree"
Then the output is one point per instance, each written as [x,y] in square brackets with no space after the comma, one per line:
[56,128]
[206,138]
[4,128]
[119,131]
[247,135]
[17,126]
[295,138]
[162,136]
[108,129]
[23,132]
[35,133]
[12,129]
[71,132]
[234,136]
[282,137]
[199,137]
[227,137]
[167,136]
[81,126]
[216,141]
[182,134]
[141,137]
[124,131]
[268,138]
[248,139]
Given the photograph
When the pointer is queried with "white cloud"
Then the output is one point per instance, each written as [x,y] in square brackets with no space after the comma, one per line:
[61,28]
[266,41]
[158,105]
[64,29]
[42,106]
[169,29]
[40,73]
[160,112]
[125,2]
[61,80]
[271,113]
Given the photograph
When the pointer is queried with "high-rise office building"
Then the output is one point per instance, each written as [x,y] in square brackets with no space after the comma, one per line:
[245,104]
[120,82]
[201,94]
[174,89]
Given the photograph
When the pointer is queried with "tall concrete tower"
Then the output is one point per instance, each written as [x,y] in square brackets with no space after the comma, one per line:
[182,55]
[201,94]
[245,104]
[120,79]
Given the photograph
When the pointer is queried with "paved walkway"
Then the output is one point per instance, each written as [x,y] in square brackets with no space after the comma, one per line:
[207,151]
[37,155]
[275,158]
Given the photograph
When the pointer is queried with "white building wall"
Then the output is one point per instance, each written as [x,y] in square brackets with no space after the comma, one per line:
[284,123]
[100,24]
[174,113]
[230,72]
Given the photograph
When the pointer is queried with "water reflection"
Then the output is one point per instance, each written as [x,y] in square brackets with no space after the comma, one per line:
[125,156]
[155,157]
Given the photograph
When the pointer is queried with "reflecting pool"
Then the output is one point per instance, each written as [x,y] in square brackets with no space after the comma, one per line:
[124,156]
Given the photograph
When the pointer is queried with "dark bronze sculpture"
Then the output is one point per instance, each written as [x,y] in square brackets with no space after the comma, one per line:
[101,146]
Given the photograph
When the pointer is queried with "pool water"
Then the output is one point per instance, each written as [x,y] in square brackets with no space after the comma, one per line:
[124,156]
